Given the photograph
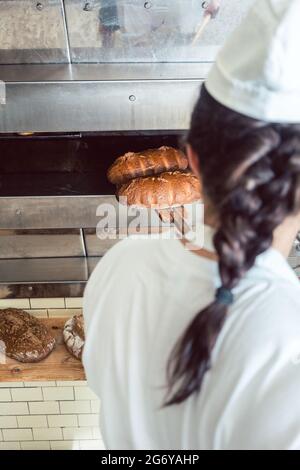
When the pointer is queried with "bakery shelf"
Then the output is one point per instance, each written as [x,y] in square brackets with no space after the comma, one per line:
[59,365]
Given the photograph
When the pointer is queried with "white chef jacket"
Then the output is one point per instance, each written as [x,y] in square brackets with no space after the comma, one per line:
[139,300]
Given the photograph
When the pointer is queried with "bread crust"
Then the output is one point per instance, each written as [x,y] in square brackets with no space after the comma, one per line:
[165,190]
[25,338]
[149,162]
[73,335]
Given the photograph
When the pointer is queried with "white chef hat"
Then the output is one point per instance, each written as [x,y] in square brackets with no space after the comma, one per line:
[257,72]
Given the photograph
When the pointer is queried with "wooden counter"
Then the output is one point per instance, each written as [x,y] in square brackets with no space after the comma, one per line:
[59,365]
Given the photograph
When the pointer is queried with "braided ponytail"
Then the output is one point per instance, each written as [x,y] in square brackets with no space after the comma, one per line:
[251,176]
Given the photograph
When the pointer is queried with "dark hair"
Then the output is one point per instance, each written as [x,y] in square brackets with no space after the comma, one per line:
[250,171]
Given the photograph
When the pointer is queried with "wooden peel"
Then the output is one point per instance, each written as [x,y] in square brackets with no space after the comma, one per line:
[204,23]
[210,13]
[176,216]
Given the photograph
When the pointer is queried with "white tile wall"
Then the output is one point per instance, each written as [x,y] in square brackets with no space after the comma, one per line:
[68,383]
[84,393]
[96,433]
[45,434]
[88,420]
[78,407]
[26,394]
[42,313]
[74,302]
[63,312]
[58,393]
[47,303]
[44,407]
[8,422]
[11,384]
[51,424]
[62,420]
[95,406]
[17,434]
[65,445]
[10,446]
[43,308]
[35,445]
[32,421]
[56,415]
[40,384]
[7,409]
[15,303]
[78,433]
[5,394]
[92,445]
[56,423]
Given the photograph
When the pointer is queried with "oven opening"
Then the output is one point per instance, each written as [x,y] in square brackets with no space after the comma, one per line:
[69,164]
[50,188]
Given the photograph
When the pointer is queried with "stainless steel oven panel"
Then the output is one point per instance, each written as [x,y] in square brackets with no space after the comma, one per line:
[68,212]
[103,72]
[41,243]
[33,32]
[55,212]
[148,31]
[56,31]
[39,270]
[98,106]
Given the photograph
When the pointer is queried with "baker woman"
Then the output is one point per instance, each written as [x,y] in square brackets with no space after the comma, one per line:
[201,350]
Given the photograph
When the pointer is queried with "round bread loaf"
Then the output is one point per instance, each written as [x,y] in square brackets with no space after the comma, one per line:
[73,334]
[150,162]
[25,338]
[165,190]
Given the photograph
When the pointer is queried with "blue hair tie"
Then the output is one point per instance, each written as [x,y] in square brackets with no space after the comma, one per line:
[224,296]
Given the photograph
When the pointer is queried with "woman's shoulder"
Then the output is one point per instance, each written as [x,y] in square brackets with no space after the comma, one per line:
[139,250]
[127,259]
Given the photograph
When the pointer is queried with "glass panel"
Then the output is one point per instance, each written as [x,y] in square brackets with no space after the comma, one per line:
[150,31]
[32,32]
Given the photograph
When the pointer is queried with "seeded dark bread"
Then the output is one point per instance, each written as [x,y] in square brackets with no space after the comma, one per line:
[165,190]
[149,162]
[73,335]
[25,338]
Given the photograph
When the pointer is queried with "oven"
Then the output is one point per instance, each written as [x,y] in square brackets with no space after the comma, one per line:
[83,82]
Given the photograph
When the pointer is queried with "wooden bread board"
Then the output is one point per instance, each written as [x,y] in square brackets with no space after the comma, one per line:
[59,365]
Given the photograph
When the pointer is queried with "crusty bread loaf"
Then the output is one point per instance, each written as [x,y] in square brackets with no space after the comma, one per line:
[73,335]
[150,162]
[165,190]
[25,338]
